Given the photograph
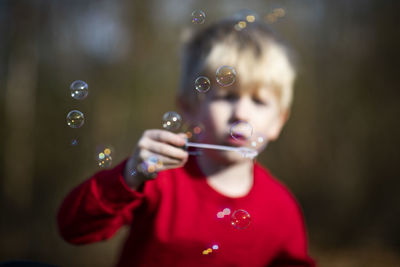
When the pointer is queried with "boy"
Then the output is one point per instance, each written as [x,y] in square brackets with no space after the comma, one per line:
[172,210]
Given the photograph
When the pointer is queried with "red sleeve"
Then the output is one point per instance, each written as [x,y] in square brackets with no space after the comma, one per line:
[294,251]
[98,207]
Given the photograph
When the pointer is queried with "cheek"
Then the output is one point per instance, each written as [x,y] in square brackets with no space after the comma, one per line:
[265,119]
[215,116]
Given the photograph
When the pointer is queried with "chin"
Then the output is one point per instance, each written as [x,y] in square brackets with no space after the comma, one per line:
[226,157]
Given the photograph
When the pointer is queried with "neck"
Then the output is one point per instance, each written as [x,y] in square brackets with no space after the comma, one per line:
[231,179]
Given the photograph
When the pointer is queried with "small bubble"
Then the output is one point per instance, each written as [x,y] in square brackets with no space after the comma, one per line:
[79,90]
[240,219]
[271,18]
[171,121]
[215,247]
[225,75]
[202,84]
[198,17]
[279,12]
[242,24]
[107,151]
[75,119]
[226,211]
[250,18]
[74,142]
[220,215]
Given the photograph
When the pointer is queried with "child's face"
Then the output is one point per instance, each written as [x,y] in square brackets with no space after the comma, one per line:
[222,108]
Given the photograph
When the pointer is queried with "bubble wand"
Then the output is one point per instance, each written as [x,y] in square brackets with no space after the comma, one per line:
[244,151]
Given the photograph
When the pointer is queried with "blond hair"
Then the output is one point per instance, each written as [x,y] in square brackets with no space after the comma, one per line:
[259,57]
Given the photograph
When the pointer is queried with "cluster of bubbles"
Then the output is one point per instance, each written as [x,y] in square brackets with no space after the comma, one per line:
[198,17]
[171,121]
[258,141]
[225,76]
[210,250]
[225,212]
[104,159]
[75,119]
[244,19]
[240,219]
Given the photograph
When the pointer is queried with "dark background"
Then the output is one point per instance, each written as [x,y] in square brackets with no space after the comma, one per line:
[338,153]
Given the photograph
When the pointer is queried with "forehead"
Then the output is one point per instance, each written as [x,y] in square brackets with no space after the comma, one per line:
[267,68]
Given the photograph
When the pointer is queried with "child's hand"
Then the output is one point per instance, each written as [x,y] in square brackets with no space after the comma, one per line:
[157,144]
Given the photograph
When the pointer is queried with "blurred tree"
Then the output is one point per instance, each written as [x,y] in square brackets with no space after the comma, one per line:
[20,96]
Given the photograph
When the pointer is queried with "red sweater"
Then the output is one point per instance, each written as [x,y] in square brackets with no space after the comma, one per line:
[173,220]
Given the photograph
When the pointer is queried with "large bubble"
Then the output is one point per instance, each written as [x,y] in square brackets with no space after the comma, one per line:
[171,121]
[225,75]
[240,219]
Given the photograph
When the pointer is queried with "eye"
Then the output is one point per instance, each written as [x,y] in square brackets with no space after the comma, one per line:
[226,96]
[231,97]
[260,101]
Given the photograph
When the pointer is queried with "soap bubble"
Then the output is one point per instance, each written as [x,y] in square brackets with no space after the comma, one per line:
[240,219]
[79,90]
[171,121]
[75,119]
[227,211]
[74,142]
[226,75]
[240,25]
[202,84]
[198,17]
[241,130]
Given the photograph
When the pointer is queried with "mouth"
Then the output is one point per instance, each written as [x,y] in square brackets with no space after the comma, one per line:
[237,140]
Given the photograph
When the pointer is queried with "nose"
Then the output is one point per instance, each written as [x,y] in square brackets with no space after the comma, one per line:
[241,109]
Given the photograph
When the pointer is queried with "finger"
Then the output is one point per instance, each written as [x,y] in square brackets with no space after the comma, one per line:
[166,137]
[165,150]
[161,160]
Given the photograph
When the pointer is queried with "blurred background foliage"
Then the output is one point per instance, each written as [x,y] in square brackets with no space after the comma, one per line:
[338,153]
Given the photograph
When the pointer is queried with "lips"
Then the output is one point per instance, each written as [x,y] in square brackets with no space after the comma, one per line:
[237,140]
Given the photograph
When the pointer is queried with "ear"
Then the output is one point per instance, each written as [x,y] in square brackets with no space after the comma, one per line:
[278,125]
